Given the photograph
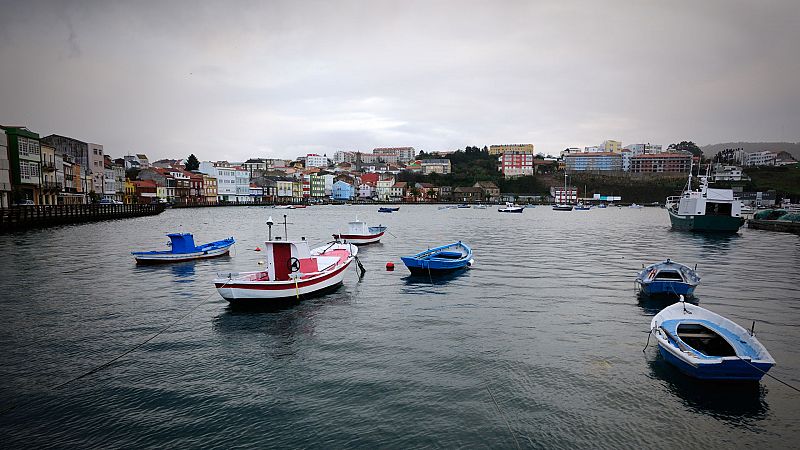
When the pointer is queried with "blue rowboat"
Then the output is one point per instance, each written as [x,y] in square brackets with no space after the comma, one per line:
[440,260]
[386,209]
[667,278]
[183,249]
[705,345]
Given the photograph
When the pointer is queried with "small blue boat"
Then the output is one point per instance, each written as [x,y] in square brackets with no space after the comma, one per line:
[183,249]
[705,345]
[386,209]
[667,278]
[440,260]
[582,207]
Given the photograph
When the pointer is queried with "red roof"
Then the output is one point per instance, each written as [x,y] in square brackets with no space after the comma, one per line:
[144,183]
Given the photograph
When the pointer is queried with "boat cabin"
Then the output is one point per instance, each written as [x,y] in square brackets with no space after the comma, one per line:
[287,259]
[710,202]
[357,227]
[182,242]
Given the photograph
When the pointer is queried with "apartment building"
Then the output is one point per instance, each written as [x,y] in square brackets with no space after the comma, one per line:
[503,148]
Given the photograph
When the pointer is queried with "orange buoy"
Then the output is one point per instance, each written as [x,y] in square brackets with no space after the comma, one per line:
[258,249]
[389,266]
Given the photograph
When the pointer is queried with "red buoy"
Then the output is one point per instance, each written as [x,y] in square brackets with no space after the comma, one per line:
[258,249]
[389,266]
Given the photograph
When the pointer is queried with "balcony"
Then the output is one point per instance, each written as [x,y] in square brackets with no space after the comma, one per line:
[51,186]
[48,167]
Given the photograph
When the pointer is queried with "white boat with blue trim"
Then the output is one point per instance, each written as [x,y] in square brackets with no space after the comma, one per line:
[183,249]
[705,345]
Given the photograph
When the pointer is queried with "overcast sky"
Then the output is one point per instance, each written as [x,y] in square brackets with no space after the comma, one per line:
[233,80]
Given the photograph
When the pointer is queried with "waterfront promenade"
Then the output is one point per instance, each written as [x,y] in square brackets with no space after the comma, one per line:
[26,217]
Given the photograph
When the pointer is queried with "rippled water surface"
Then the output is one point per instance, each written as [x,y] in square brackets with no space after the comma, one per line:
[547,322]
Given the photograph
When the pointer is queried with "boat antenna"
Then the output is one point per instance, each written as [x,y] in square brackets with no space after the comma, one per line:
[285,229]
[269,225]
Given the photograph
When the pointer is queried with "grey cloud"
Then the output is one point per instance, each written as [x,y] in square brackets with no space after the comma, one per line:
[233,80]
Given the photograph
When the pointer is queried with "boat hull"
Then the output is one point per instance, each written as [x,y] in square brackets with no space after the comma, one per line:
[710,347]
[724,224]
[359,239]
[666,287]
[729,369]
[252,292]
[418,270]
[168,257]
[562,208]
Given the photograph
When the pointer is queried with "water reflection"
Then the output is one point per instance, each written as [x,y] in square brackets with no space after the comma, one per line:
[413,280]
[282,322]
[735,401]
[653,304]
[715,242]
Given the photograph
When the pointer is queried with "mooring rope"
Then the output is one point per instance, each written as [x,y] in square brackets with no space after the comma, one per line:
[121,355]
[503,416]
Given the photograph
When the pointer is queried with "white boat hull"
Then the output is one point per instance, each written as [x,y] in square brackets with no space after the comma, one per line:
[359,239]
[243,291]
[179,257]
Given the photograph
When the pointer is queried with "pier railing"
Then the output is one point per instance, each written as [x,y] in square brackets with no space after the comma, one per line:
[25,217]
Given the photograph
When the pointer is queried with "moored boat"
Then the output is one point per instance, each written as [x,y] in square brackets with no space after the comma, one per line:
[284,206]
[705,345]
[480,206]
[511,208]
[635,206]
[293,271]
[464,206]
[705,209]
[440,260]
[386,209]
[582,207]
[183,249]
[360,234]
[562,207]
[667,277]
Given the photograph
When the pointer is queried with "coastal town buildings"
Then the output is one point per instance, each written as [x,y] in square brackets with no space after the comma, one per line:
[765,158]
[50,187]
[342,191]
[24,156]
[593,162]
[315,160]
[96,168]
[516,164]
[561,194]
[489,191]
[5,173]
[661,163]
[435,166]
[503,148]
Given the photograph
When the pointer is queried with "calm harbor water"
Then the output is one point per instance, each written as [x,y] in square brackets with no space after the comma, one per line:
[547,322]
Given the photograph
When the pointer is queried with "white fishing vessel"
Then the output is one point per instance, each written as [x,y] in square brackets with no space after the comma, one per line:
[293,271]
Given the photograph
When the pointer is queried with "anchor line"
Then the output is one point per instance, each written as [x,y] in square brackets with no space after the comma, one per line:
[771,376]
[121,355]
[503,416]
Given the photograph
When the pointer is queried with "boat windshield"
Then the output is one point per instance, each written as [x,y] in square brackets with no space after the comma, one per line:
[718,209]
[704,340]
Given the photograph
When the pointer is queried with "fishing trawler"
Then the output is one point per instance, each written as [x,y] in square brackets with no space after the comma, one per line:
[705,209]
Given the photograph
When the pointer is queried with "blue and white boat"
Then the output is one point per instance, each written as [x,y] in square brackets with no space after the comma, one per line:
[667,277]
[705,345]
[464,206]
[511,208]
[386,209]
[183,249]
[582,207]
[440,260]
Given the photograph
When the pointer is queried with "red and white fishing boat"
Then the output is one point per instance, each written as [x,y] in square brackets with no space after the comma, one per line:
[293,271]
[360,234]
